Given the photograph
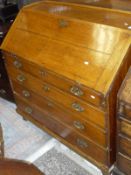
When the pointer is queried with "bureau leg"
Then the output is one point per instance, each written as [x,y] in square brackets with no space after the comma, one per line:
[24,119]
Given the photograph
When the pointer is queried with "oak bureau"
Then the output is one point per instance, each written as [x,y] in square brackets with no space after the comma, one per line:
[65,73]
[124,126]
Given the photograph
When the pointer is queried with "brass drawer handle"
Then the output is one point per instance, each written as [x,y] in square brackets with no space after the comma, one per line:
[21,78]
[0,75]
[77,107]
[76,91]
[17,64]
[46,88]
[26,93]
[28,110]
[63,23]
[78,125]
[81,143]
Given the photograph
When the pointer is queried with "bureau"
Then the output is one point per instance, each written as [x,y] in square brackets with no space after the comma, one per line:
[65,73]
[124,126]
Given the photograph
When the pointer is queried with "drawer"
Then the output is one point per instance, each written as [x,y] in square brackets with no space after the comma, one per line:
[62,131]
[79,108]
[124,128]
[83,127]
[124,164]
[58,81]
[124,145]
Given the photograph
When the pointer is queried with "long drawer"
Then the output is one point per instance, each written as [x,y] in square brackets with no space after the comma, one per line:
[62,131]
[124,145]
[79,108]
[124,164]
[71,87]
[83,127]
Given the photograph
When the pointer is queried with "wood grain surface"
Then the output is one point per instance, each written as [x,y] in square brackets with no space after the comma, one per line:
[49,40]
[86,128]
[111,4]
[70,50]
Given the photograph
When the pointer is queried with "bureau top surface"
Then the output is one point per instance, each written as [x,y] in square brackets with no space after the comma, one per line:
[125,90]
[59,37]
[113,4]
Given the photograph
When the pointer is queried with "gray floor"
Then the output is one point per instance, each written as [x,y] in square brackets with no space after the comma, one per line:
[25,141]
[55,162]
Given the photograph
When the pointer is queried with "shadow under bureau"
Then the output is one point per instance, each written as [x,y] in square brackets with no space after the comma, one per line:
[65,73]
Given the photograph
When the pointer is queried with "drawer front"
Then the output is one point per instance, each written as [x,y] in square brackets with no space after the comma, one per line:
[124,145]
[125,128]
[124,164]
[125,111]
[63,131]
[83,127]
[79,108]
[60,82]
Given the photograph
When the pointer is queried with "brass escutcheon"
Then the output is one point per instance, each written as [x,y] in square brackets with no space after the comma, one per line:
[26,93]
[42,73]
[21,78]
[17,64]
[78,125]
[63,23]
[46,88]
